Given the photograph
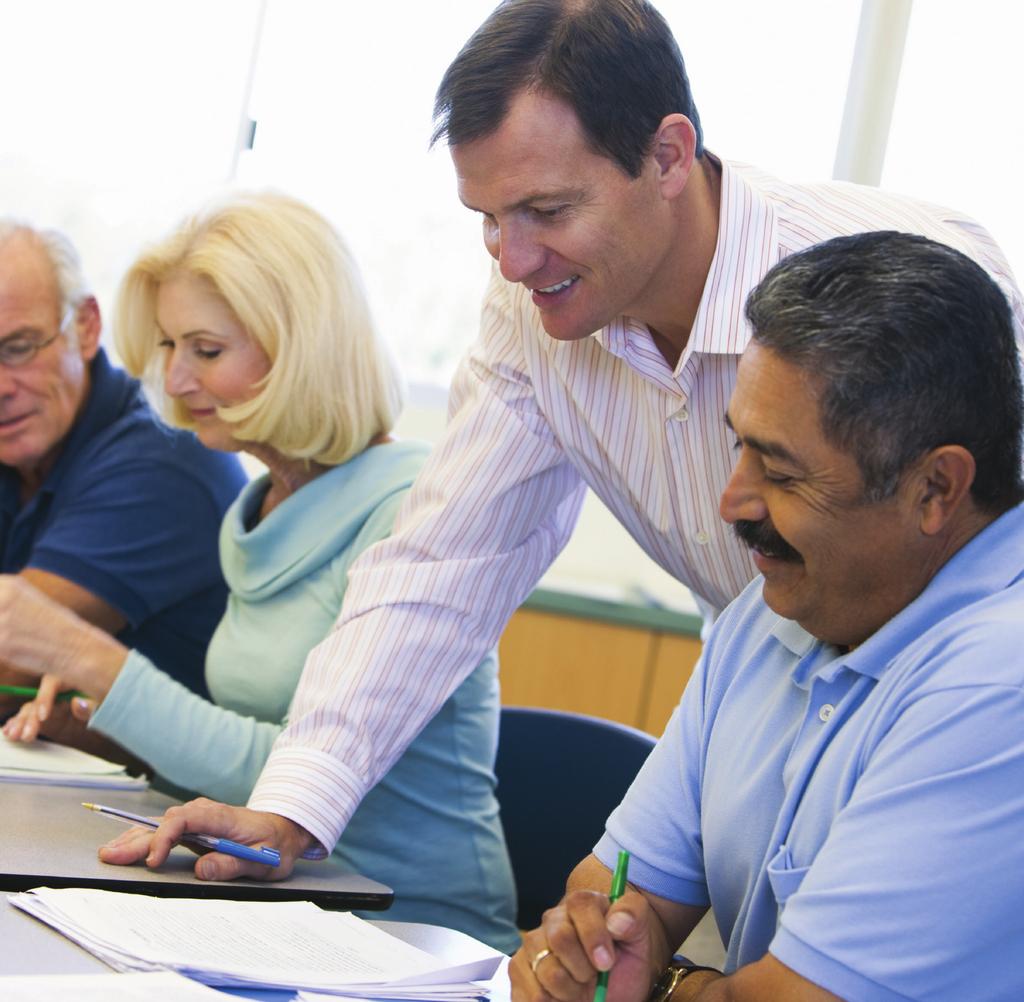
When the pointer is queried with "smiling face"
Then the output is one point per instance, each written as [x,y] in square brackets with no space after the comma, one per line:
[839,566]
[40,400]
[587,240]
[211,361]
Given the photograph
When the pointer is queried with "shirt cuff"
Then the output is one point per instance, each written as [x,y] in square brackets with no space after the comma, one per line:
[826,972]
[649,878]
[311,788]
[118,712]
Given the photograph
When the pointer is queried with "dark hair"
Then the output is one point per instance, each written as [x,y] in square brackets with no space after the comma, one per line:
[912,347]
[614,62]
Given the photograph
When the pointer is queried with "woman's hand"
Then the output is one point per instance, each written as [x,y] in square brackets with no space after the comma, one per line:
[27,723]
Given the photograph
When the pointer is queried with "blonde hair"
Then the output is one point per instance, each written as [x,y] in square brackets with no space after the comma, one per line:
[289,278]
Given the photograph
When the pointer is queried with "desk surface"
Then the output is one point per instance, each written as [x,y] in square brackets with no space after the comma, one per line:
[48,839]
[31,947]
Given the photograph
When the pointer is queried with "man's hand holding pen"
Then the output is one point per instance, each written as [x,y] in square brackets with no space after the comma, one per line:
[208,817]
[583,935]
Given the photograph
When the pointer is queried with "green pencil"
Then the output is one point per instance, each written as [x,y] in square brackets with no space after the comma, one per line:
[618,889]
[29,693]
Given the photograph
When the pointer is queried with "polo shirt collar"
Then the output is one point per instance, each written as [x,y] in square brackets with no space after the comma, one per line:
[793,637]
[810,657]
[109,391]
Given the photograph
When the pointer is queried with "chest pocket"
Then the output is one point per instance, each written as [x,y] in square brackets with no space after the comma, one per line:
[785,879]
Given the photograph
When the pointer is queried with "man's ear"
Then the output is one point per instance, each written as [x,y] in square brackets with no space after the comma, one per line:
[88,326]
[943,479]
[675,146]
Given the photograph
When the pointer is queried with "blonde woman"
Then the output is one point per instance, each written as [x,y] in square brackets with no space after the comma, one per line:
[251,323]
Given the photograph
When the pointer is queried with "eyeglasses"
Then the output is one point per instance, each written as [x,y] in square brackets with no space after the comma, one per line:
[20,349]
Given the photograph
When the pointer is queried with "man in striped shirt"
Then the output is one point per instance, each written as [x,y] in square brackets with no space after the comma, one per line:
[610,337]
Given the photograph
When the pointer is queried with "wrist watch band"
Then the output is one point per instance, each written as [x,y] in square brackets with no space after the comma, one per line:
[678,970]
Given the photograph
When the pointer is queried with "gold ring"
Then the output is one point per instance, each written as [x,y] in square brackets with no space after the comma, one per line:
[535,963]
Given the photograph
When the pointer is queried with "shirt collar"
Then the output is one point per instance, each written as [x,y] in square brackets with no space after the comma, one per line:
[811,657]
[630,340]
[745,249]
[793,637]
[108,391]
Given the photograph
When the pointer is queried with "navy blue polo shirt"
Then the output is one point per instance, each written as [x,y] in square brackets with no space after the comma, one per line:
[131,512]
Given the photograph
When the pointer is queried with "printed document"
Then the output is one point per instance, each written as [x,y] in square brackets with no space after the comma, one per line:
[257,944]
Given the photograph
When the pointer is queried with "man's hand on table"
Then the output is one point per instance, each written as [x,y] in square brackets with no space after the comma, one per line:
[202,816]
[581,936]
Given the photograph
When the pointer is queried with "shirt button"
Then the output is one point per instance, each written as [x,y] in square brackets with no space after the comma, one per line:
[825,712]
[702,537]
[682,414]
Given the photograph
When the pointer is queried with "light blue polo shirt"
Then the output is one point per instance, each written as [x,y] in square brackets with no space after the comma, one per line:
[860,815]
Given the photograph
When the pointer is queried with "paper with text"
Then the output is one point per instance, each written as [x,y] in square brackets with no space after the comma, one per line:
[247,943]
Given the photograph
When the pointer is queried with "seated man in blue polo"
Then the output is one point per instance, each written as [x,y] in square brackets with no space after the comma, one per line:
[843,780]
[101,506]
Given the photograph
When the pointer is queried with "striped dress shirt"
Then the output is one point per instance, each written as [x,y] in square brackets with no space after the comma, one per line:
[533,422]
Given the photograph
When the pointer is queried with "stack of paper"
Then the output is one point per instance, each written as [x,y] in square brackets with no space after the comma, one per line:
[51,764]
[257,944]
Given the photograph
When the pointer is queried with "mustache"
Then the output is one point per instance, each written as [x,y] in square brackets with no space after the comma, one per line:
[763,537]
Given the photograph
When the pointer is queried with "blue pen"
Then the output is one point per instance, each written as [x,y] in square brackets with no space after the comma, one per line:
[271,857]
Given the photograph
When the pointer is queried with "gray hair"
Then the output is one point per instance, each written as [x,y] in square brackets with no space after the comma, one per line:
[72,287]
[911,345]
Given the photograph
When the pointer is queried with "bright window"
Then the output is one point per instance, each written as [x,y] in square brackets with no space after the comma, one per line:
[343,98]
[121,115]
[117,116]
[957,137]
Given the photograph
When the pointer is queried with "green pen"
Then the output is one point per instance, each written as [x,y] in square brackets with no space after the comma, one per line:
[29,693]
[618,888]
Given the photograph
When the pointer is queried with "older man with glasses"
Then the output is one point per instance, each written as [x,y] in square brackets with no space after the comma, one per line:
[101,507]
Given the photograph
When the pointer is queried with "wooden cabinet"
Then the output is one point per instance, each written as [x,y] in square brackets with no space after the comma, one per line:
[632,674]
[674,658]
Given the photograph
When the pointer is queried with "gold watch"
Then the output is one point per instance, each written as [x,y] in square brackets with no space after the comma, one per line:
[678,969]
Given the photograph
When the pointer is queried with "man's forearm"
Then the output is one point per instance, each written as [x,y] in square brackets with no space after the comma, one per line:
[767,980]
[702,986]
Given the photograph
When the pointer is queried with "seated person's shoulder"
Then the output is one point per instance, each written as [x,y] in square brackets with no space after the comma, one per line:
[135,444]
[978,645]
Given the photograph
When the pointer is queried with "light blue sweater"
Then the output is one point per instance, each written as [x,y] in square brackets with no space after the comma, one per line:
[430,828]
